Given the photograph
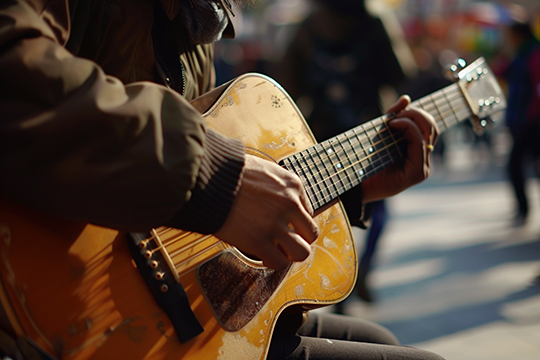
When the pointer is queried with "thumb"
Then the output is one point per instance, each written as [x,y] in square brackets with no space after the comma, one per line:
[400,104]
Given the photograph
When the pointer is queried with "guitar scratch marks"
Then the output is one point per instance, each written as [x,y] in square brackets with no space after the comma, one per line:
[289,140]
[101,338]
[329,254]
[326,284]
[227,101]
[237,347]
[329,244]
[136,333]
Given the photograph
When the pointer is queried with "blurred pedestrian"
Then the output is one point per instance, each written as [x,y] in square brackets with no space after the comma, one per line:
[523,111]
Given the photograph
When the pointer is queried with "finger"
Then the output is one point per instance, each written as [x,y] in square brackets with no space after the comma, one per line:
[424,121]
[417,160]
[293,246]
[304,225]
[412,133]
[273,257]
[400,104]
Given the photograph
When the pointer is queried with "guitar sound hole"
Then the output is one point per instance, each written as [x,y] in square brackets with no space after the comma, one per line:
[235,290]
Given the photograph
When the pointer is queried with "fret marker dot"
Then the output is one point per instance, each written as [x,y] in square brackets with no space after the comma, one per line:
[329,151]
[361,172]
[339,166]
[371,149]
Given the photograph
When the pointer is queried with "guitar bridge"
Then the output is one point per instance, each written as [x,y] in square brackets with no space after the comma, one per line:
[164,287]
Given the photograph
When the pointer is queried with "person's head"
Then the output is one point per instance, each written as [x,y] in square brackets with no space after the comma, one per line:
[346,7]
[208,20]
[519,33]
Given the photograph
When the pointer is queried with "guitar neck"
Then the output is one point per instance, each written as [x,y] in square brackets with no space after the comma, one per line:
[338,164]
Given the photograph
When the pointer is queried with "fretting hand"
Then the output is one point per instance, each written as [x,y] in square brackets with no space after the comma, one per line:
[421,133]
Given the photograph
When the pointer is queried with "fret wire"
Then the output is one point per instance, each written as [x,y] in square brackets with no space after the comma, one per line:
[451,106]
[346,150]
[445,93]
[318,172]
[365,157]
[437,109]
[339,164]
[330,169]
[457,100]
[387,128]
[369,155]
[326,192]
[301,173]
[366,149]
[371,171]
[313,176]
[305,170]
[382,124]
[309,165]
[354,161]
[444,109]
[359,172]
[374,142]
[350,172]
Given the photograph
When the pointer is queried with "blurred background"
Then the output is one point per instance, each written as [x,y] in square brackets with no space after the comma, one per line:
[453,268]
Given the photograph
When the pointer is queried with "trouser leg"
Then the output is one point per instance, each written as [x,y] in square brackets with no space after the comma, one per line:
[517,176]
[336,337]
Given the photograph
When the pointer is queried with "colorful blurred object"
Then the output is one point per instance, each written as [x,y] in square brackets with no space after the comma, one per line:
[488,13]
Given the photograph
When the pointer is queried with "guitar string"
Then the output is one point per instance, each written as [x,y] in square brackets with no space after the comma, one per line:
[384,130]
[375,169]
[439,118]
[431,103]
[167,243]
[386,154]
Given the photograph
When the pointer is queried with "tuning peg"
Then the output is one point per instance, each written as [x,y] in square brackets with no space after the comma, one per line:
[481,125]
[452,70]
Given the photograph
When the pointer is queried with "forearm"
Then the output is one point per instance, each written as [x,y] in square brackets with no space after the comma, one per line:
[79,143]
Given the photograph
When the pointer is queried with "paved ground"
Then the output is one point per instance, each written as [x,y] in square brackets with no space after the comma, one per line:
[453,276]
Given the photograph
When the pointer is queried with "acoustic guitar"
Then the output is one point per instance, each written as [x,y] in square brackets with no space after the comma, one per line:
[76,291]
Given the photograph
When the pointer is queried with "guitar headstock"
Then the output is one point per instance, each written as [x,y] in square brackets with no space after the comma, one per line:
[481,89]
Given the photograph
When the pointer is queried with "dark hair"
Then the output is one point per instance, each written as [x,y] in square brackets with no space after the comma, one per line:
[522,29]
[346,7]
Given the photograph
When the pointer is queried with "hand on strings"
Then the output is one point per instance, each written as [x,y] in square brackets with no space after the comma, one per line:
[421,133]
[270,203]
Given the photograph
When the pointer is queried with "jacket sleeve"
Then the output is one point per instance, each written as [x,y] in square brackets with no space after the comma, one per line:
[79,143]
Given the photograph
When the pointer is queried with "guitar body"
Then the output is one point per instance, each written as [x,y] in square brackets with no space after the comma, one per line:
[74,290]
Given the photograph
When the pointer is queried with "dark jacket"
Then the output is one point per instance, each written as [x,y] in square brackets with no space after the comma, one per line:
[95,137]
[523,80]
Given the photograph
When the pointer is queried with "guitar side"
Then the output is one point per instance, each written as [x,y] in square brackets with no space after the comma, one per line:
[73,288]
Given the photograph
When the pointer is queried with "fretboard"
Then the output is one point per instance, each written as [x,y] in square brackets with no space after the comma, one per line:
[330,168]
